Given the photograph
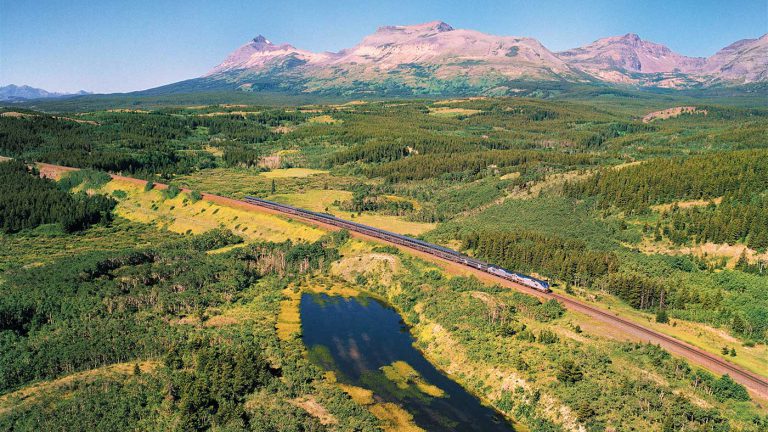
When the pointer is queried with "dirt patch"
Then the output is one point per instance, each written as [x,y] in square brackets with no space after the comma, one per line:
[313,408]
[452,112]
[686,204]
[221,321]
[369,265]
[672,113]
[324,119]
[708,251]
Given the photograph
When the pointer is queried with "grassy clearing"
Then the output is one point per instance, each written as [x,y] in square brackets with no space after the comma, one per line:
[377,266]
[452,112]
[289,319]
[292,172]
[405,376]
[324,119]
[395,418]
[396,224]
[319,200]
[322,201]
[181,215]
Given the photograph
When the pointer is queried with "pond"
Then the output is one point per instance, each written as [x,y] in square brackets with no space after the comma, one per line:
[367,345]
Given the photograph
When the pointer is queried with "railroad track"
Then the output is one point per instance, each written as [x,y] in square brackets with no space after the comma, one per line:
[759,384]
[753,382]
[756,383]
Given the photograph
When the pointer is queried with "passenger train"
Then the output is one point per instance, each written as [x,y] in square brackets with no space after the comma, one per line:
[430,248]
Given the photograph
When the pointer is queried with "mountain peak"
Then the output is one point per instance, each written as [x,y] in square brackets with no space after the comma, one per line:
[261,40]
[427,27]
[631,37]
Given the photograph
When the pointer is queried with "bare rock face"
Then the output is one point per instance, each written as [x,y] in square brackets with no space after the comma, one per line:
[433,56]
[631,54]
[260,53]
[745,61]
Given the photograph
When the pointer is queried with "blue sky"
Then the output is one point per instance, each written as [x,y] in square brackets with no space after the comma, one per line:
[110,45]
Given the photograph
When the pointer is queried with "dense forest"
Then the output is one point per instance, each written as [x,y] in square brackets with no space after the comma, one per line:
[28,201]
[742,174]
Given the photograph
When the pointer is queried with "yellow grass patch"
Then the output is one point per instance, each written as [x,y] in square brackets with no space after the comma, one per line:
[361,396]
[226,113]
[225,249]
[126,110]
[181,215]
[451,101]
[313,199]
[221,321]
[321,200]
[292,172]
[396,224]
[686,204]
[216,151]
[672,113]
[452,112]
[405,376]
[324,119]
[709,251]
[395,418]
[510,176]
[289,318]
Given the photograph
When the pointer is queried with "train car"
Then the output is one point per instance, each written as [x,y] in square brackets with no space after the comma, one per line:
[421,245]
[529,281]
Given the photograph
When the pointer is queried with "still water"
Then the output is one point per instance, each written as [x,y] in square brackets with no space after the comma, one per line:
[366,344]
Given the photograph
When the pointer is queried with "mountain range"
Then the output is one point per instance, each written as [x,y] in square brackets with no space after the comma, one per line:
[434,58]
[14,92]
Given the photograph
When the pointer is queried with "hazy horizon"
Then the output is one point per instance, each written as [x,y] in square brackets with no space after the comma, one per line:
[116,47]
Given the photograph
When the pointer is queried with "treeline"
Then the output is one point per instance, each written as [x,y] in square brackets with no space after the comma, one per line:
[467,166]
[634,188]
[524,251]
[731,221]
[640,291]
[144,144]
[388,149]
[28,201]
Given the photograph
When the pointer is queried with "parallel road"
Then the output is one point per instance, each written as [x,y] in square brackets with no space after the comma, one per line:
[757,384]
